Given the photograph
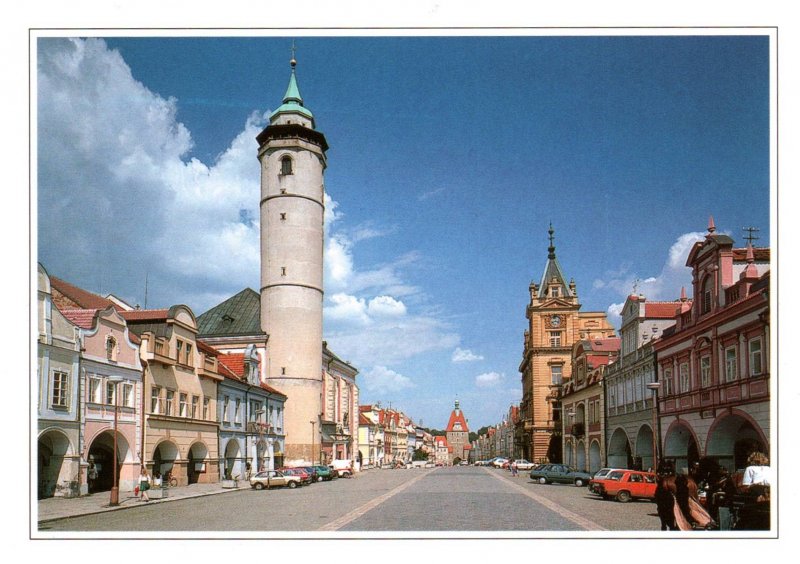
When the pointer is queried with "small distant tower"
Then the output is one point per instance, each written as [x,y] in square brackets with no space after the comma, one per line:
[292,157]
[457,433]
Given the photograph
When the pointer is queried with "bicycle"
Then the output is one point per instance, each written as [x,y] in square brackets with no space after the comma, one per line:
[169,480]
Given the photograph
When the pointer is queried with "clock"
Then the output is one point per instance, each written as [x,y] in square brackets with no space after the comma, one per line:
[555,321]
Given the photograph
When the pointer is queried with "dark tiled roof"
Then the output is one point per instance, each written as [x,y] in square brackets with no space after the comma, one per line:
[239,315]
[553,270]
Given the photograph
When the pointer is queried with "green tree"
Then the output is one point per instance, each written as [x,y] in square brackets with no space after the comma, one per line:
[420,454]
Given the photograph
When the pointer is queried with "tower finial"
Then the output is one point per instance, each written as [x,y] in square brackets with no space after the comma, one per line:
[551,250]
[711,226]
[293,62]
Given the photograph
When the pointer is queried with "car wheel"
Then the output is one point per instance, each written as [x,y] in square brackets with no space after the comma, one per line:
[579,482]
[623,496]
[259,486]
[542,480]
[293,484]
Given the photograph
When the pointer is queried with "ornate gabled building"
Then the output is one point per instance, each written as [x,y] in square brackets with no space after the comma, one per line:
[714,364]
[457,433]
[555,323]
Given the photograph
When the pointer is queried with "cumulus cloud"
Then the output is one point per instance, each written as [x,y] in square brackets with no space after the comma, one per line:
[615,313]
[113,169]
[380,379]
[667,284]
[489,379]
[465,355]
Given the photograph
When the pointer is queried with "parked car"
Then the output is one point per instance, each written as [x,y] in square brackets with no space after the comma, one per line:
[343,472]
[305,477]
[624,485]
[523,464]
[273,478]
[559,473]
[324,473]
[498,462]
[599,475]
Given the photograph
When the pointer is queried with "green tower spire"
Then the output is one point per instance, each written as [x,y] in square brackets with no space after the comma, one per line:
[292,101]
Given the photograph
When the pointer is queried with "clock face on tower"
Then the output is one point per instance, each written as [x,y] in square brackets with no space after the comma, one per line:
[555,321]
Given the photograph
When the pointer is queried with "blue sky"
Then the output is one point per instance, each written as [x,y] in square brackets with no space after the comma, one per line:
[448,158]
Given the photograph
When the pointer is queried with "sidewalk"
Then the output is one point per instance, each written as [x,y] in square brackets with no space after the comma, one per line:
[59,507]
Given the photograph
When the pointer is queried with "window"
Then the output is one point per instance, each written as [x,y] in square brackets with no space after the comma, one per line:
[111,348]
[283,216]
[555,375]
[189,358]
[286,165]
[184,405]
[255,407]
[111,393]
[555,338]
[58,389]
[225,403]
[684,375]
[591,412]
[206,403]
[237,412]
[706,293]
[668,382]
[705,371]
[195,402]
[756,365]
[555,291]
[155,399]
[94,389]
[127,394]
[612,397]
[179,350]
[730,364]
[170,401]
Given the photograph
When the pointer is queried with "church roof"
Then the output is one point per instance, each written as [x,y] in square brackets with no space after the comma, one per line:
[292,101]
[457,416]
[239,315]
[552,270]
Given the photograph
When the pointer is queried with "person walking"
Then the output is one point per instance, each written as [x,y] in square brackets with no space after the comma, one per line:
[514,468]
[144,483]
[91,476]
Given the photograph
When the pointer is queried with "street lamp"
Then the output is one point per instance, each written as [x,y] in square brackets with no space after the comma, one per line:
[312,440]
[114,485]
[654,387]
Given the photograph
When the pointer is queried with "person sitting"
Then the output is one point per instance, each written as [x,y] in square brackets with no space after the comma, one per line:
[758,476]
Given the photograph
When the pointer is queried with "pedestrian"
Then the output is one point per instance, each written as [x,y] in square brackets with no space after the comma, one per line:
[91,475]
[758,476]
[514,468]
[144,483]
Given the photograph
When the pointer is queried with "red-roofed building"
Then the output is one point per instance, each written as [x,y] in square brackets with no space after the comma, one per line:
[714,365]
[370,436]
[443,451]
[250,415]
[457,433]
[583,405]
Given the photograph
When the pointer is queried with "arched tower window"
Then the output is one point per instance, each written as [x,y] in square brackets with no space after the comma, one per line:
[286,165]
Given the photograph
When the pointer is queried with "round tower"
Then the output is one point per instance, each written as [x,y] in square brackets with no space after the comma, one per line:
[292,157]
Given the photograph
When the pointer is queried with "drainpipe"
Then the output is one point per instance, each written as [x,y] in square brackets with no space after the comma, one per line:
[142,414]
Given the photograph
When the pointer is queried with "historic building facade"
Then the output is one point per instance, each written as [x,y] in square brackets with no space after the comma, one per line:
[631,437]
[250,415]
[714,364]
[555,323]
[59,446]
[457,434]
[180,430]
[583,404]
[338,421]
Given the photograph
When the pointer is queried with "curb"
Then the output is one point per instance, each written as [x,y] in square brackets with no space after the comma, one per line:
[108,508]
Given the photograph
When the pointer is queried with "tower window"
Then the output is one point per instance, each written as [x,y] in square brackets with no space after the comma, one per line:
[286,165]
[283,271]
[283,217]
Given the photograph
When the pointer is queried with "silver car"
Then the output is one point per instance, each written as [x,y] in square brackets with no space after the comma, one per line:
[273,478]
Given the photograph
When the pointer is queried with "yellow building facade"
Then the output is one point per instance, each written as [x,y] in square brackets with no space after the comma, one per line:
[555,324]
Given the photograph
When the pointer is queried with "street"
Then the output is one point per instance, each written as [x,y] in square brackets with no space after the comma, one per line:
[462,498]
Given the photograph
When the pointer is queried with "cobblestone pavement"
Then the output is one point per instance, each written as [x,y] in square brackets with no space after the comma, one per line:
[459,499]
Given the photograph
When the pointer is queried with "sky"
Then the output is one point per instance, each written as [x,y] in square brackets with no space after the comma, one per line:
[449,158]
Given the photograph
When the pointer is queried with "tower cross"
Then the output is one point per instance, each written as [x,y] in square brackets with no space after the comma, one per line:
[636,285]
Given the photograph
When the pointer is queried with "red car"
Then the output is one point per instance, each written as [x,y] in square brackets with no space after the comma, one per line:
[305,477]
[624,485]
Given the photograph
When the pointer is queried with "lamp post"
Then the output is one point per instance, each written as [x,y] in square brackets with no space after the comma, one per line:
[312,440]
[654,387]
[114,485]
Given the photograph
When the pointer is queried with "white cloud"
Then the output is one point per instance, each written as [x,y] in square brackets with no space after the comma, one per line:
[489,379]
[425,195]
[667,285]
[615,313]
[386,306]
[465,355]
[380,379]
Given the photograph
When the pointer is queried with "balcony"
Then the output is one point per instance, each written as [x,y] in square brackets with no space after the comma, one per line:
[208,368]
[156,349]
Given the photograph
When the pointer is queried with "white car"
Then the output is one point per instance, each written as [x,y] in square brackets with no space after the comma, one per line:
[523,464]
[498,462]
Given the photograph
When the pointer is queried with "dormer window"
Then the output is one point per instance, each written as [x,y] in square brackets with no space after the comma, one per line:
[111,348]
[555,291]
[286,165]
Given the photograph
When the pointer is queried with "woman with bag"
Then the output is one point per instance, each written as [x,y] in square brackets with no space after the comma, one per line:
[144,483]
